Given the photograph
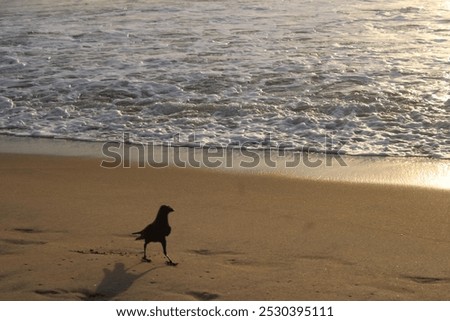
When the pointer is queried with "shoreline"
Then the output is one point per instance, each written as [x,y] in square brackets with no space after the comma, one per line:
[67,223]
[420,172]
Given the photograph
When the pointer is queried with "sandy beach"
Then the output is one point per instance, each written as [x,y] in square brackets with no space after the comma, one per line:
[303,145]
[66,227]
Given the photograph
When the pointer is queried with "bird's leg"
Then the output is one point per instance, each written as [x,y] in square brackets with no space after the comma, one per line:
[169,262]
[144,258]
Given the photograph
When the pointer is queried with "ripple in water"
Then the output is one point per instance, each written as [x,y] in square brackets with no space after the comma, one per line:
[359,78]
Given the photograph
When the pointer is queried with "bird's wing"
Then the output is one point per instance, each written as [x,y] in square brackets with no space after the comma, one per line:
[146,230]
[149,229]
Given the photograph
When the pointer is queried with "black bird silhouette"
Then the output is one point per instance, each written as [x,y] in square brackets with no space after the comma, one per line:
[157,232]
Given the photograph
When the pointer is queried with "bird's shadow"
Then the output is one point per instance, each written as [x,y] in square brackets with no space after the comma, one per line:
[114,282]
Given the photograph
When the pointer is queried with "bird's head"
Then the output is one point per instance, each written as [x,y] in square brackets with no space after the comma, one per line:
[165,209]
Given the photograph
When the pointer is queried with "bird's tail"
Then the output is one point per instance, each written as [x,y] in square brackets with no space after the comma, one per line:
[139,237]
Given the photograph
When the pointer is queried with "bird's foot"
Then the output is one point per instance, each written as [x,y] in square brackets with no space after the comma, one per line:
[170,263]
[144,259]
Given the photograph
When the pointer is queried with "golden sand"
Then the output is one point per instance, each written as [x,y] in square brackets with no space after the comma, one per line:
[66,228]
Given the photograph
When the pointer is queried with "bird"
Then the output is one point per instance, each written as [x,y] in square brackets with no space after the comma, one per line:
[157,232]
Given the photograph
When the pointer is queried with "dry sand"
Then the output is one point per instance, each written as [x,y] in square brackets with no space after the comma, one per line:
[66,223]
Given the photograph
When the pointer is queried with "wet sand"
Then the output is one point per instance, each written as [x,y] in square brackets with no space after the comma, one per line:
[66,228]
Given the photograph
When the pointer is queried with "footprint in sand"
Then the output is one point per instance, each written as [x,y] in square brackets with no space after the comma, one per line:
[203,296]
[102,252]
[82,294]
[230,257]
[426,279]
[212,252]
[22,242]
[27,230]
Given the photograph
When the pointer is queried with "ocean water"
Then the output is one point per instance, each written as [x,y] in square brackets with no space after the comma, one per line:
[358,77]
